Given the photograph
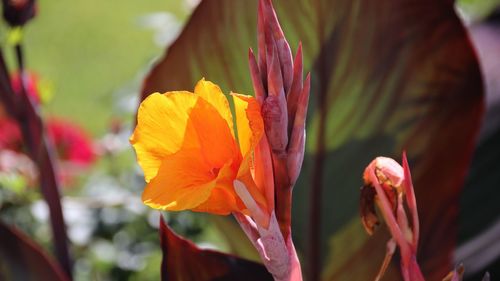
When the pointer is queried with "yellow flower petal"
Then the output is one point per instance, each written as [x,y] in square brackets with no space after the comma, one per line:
[249,123]
[183,182]
[206,125]
[161,125]
[223,199]
[186,146]
[214,96]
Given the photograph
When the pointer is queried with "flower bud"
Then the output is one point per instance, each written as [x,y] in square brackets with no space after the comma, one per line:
[18,12]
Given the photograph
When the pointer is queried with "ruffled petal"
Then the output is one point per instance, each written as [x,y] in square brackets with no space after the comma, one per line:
[250,128]
[249,123]
[210,129]
[183,182]
[212,93]
[223,200]
[161,125]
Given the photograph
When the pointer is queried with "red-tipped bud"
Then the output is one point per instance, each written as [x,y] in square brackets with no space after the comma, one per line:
[261,38]
[386,184]
[278,85]
[274,36]
[389,173]
[297,85]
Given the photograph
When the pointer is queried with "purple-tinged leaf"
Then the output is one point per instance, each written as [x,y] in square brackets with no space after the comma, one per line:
[183,260]
[386,76]
[22,259]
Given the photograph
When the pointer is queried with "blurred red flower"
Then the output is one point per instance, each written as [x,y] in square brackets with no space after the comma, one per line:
[71,142]
[31,84]
[73,146]
[10,135]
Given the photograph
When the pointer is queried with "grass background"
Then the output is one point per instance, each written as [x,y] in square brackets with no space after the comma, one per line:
[88,49]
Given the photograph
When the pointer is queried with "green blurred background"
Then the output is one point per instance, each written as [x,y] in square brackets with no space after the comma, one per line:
[88,50]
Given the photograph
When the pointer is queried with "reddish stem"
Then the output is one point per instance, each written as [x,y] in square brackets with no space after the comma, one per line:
[411,201]
[25,112]
[283,190]
[385,207]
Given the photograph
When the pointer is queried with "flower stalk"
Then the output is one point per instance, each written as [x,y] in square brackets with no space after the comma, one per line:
[283,94]
[195,158]
[279,88]
[389,186]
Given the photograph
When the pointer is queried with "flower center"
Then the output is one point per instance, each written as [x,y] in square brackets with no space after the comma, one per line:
[215,171]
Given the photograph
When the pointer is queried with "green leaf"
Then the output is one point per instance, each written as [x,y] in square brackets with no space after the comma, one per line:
[22,259]
[386,76]
[236,240]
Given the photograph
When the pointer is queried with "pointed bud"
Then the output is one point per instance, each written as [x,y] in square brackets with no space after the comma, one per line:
[261,38]
[18,12]
[296,144]
[411,201]
[389,175]
[258,87]
[274,109]
[274,30]
[297,84]
[390,181]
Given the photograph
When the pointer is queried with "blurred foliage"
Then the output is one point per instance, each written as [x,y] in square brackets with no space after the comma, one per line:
[475,10]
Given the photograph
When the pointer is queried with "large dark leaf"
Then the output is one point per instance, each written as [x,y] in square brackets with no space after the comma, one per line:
[387,75]
[22,259]
[182,260]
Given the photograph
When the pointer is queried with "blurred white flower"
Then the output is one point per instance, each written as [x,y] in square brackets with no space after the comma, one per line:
[14,164]
[104,251]
[165,25]
[78,217]
[191,4]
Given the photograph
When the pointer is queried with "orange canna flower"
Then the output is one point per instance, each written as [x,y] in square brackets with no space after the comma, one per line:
[191,153]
